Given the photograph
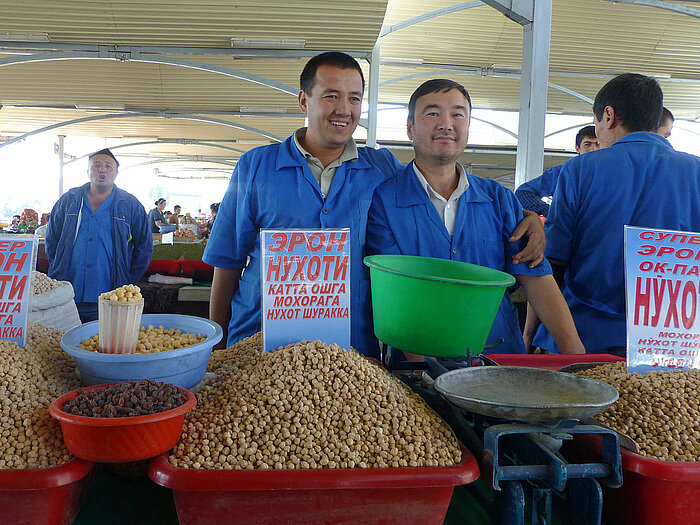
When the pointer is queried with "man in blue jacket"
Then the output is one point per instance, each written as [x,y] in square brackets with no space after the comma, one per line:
[638,179]
[536,194]
[98,237]
[433,208]
[317,178]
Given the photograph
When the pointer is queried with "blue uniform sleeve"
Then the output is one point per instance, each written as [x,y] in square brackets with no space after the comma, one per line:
[235,230]
[380,238]
[560,227]
[142,242]
[385,161]
[532,201]
[512,213]
[54,229]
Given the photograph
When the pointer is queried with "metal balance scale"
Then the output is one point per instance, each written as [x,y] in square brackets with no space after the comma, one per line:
[515,418]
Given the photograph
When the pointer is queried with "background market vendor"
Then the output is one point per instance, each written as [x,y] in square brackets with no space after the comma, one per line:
[434,209]
[156,217]
[316,178]
[637,180]
[98,237]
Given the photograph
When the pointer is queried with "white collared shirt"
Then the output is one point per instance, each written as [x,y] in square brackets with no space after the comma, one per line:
[446,208]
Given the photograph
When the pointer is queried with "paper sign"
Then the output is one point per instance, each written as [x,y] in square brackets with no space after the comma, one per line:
[305,278]
[662,282]
[17,261]
[167,238]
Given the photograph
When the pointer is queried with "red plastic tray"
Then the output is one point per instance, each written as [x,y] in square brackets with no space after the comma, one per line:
[50,496]
[653,492]
[551,361]
[404,496]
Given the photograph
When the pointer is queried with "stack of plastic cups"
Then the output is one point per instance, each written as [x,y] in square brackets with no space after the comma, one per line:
[120,322]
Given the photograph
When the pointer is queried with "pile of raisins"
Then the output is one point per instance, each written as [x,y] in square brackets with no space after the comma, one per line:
[139,398]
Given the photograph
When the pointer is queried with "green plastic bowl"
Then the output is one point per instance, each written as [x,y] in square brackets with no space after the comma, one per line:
[434,307]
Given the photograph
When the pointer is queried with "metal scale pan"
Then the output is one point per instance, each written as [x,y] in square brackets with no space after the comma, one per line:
[525,394]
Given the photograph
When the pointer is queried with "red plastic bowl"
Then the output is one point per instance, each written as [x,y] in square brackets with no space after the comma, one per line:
[120,439]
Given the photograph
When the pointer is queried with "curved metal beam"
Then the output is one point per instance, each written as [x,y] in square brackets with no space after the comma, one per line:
[676,126]
[235,52]
[477,71]
[577,126]
[427,16]
[178,116]
[661,4]
[153,59]
[160,141]
[499,128]
[158,161]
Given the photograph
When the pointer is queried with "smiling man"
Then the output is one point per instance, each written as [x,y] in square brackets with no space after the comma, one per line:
[317,178]
[433,208]
[98,237]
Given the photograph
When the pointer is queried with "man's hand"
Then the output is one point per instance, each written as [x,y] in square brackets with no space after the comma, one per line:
[531,227]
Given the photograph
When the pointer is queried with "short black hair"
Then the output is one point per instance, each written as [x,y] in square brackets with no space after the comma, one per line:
[214,206]
[587,132]
[307,79]
[177,206]
[637,100]
[159,201]
[666,117]
[435,85]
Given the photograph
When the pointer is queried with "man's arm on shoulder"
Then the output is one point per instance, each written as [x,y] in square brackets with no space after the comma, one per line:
[530,227]
[223,288]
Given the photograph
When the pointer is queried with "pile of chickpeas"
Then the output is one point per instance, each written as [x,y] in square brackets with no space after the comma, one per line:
[43,283]
[30,378]
[659,410]
[124,294]
[308,406]
[152,340]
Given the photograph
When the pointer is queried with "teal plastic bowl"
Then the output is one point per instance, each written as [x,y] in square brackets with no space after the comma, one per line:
[183,367]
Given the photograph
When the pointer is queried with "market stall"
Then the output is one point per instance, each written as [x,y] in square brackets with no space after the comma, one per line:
[313,433]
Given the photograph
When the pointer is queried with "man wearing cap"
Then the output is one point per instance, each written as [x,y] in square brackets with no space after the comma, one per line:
[98,237]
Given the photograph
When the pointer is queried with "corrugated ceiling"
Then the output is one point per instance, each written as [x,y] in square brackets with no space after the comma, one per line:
[590,40]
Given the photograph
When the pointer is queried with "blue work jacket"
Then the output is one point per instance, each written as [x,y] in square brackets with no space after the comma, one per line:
[639,181]
[545,184]
[403,221]
[131,235]
[93,251]
[273,187]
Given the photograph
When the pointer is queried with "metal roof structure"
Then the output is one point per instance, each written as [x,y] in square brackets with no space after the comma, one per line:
[208,81]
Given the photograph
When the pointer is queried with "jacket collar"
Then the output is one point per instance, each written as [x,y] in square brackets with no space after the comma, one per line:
[409,191]
[289,156]
[645,136]
[79,191]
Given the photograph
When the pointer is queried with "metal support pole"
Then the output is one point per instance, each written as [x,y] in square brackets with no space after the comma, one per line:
[373,95]
[533,93]
[61,163]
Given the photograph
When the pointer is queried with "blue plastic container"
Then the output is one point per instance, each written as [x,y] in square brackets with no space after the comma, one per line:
[167,228]
[183,367]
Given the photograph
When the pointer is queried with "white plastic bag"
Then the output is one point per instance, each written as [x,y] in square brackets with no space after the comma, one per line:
[55,308]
